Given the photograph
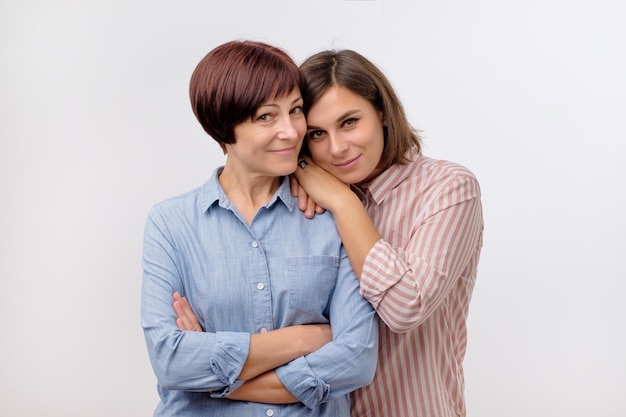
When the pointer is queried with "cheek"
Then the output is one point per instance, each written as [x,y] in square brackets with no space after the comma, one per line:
[300,126]
[377,143]
[381,146]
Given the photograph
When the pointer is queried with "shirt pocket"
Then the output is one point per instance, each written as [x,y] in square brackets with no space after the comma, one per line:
[312,281]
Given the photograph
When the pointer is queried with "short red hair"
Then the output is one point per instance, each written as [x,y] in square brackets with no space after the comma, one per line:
[233,80]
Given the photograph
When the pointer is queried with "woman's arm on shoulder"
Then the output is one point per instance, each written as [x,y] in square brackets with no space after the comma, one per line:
[355,227]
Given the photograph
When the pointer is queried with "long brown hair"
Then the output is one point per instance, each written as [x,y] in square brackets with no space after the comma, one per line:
[351,70]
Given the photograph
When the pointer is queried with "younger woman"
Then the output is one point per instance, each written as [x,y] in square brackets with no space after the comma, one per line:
[412,227]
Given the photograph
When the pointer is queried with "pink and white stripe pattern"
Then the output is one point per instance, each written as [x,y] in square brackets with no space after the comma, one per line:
[420,278]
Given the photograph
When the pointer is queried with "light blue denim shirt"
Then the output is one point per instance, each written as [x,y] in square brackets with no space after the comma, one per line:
[240,279]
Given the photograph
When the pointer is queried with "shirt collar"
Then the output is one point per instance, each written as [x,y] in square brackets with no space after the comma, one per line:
[380,187]
[213,192]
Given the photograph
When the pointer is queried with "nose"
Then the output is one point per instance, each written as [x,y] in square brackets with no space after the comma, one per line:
[288,129]
[337,147]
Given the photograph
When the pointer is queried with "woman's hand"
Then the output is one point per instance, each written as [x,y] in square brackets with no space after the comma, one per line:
[267,350]
[307,338]
[306,204]
[316,184]
[186,319]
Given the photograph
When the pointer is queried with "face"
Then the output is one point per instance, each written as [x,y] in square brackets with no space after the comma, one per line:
[268,143]
[345,135]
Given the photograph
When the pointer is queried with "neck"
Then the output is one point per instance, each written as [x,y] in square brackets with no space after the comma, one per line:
[247,191]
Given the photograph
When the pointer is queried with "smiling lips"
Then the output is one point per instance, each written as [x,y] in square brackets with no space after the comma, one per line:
[348,164]
[286,151]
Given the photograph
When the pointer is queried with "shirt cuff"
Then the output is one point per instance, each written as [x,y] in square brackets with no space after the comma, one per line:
[229,356]
[302,383]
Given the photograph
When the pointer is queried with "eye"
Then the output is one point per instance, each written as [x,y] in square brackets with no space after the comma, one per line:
[315,134]
[296,110]
[265,117]
[349,122]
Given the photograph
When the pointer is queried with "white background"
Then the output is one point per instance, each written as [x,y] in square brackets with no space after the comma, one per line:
[95,127]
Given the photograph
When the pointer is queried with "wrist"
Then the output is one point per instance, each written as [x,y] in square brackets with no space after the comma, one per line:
[346,203]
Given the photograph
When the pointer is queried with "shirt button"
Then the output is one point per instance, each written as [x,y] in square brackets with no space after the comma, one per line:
[255,244]
[269,412]
[260,286]
[263,330]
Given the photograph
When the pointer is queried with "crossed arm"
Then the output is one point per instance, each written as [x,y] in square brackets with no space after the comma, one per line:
[267,351]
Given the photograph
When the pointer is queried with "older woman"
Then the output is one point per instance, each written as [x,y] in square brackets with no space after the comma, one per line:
[267,285]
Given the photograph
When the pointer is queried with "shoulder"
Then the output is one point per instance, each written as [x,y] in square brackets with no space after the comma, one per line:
[179,210]
[432,185]
[441,168]
[178,202]
[198,199]
[320,224]
[442,173]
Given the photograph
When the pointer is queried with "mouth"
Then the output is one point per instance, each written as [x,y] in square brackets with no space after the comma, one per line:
[285,152]
[347,164]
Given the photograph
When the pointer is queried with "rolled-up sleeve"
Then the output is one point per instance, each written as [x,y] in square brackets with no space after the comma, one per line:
[346,363]
[407,284]
[186,361]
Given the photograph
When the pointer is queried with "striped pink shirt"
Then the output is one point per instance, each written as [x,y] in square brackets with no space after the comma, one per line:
[420,277]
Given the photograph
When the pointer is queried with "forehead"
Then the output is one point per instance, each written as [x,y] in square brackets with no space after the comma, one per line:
[291,96]
[336,102]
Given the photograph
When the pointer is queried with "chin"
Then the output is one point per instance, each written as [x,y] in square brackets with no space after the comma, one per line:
[353,178]
[286,171]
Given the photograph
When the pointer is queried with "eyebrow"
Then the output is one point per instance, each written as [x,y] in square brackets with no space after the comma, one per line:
[276,105]
[339,119]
